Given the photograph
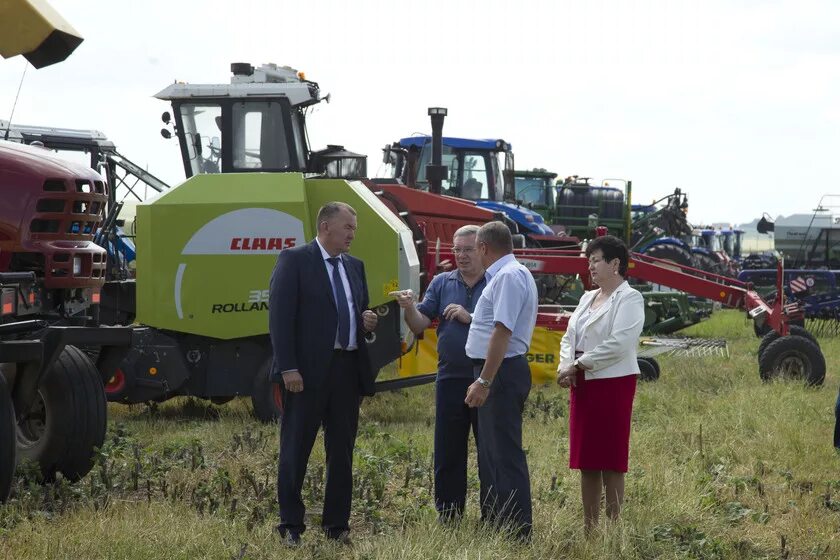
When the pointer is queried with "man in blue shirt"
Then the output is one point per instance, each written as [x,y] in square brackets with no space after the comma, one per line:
[499,336]
[451,298]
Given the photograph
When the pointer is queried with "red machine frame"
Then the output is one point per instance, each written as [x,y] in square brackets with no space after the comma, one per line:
[728,291]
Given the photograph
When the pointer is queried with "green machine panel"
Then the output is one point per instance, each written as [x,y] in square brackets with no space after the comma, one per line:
[206,249]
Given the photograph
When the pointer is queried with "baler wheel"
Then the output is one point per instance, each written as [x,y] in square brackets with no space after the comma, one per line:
[67,421]
[267,397]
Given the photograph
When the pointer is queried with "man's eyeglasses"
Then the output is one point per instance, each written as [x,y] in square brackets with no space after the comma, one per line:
[463,250]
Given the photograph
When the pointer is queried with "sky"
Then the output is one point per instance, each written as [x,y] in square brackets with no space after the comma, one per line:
[733,101]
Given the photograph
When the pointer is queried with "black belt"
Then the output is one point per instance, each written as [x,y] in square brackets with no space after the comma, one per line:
[480,361]
[343,350]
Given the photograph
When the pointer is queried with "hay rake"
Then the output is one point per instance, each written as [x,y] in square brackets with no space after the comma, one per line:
[682,346]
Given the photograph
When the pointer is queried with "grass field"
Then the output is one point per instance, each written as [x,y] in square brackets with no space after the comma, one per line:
[721,466]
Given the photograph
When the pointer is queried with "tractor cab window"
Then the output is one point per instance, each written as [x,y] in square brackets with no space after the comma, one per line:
[476,177]
[497,168]
[299,134]
[202,137]
[259,138]
[240,135]
[532,190]
[449,158]
[642,212]
[695,240]
[450,184]
[503,172]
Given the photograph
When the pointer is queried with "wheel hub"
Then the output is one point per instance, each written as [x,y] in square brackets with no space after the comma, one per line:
[792,366]
[31,428]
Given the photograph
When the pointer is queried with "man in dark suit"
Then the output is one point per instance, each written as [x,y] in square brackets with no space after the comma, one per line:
[318,318]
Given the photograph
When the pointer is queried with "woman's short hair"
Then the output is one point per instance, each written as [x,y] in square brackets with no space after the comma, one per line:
[612,248]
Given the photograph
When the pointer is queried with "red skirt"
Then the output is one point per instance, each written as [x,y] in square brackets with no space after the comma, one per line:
[599,423]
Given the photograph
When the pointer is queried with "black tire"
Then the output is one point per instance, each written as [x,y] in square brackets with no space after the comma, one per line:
[795,330]
[792,357]
[7,441]
[648,369]
[708,263]
[669,252]
[68,419]
[267,397]
[656,366]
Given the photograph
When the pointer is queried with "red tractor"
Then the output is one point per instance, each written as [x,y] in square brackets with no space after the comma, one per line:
[52,351]
[52,402]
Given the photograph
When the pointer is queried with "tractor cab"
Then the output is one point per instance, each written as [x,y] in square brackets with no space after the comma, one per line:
[477,169]
[481,171]
[709,247]
[708,238]
[257,123]
[536,190]
[639,211]
[732,242]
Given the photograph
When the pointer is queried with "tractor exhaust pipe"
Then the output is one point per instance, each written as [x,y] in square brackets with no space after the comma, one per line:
[435,172]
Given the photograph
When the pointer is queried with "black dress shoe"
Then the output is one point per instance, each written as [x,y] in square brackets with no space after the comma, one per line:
[342,537]
[290,539]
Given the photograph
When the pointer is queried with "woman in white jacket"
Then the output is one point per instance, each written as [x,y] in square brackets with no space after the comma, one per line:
[598,362]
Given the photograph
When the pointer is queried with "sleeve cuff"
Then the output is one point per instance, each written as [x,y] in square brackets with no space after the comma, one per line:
[428,313]
[504,323]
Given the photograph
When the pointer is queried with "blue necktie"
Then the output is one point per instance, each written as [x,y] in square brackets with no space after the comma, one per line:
[340,304]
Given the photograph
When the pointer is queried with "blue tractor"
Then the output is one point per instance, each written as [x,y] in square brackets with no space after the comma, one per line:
[477,170]
[707,250]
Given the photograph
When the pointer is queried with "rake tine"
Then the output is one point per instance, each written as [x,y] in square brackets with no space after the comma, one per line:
[688,347]
[824,326]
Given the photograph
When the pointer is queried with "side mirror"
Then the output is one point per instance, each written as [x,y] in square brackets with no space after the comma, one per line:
[165,133]
[166,117]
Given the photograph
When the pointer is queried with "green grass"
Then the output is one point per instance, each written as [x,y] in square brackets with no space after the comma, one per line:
[722,466]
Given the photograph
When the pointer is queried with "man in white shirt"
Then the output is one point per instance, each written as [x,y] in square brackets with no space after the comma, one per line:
[499,336]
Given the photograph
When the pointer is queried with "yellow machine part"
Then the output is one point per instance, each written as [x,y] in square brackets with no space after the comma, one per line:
[543,355]
[35,30]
